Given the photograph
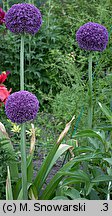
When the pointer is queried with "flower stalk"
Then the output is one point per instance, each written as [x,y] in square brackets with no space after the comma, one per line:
[22,63]
[23,143]
[90,106]
[23,162]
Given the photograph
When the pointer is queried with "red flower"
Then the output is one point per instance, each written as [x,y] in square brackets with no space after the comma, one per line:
[3,76]
[2,16]
[4,93]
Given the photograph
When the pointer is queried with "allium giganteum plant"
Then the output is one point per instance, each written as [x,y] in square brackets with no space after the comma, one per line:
[23,106]
[94,37]
[20,19]
[91,37]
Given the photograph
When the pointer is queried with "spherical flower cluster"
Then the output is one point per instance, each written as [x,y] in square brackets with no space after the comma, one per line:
[23,18]
[2,15]
[92,36]
[21,106]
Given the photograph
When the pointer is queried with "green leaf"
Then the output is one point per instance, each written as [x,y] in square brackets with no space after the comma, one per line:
[95,144]
[40,178]
[88,187]
[62,148]
[102,179]
[70,181]
[17,188]
[6,145]
[32,193]
[78,175]
[87,157]
[53,155]
[106,111]
[109,160]
[30,167]
[53,184]
[94,195]
[89,133]
[97,171]
[20,195]
[50,160]
[84,149]
[72,193]
[51,187]
[9,195]
[60,198]
[105,127]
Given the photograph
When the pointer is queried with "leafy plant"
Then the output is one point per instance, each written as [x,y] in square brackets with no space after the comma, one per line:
[92,170]
[67,103]
[35,187]
[7,158]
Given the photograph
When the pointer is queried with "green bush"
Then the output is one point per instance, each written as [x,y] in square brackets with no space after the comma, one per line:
[67,103]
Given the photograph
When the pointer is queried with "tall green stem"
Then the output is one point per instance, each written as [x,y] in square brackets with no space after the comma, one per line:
[23,162]
[23,143]
[90,108]
[22,63]
[29,50]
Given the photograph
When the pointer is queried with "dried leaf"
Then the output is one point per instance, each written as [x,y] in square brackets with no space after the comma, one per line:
[65,131]
[32,144]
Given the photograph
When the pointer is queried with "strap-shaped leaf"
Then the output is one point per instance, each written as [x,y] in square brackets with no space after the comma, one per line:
[89,133]
[51,187]
[103,178]
[46,166]
[9,195]
[106,111]
[51,159]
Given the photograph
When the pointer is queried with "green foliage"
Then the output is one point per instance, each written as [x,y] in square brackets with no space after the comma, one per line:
[52,58]
[92,170]
[56,71]
[56,151]
[67,103]
[7,158]
[37,183]
[84,177]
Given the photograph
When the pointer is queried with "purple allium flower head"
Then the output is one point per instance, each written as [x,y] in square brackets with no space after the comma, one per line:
[21,106]
[92,36]
[22,18]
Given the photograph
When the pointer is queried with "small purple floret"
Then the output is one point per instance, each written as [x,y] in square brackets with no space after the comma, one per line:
[23,18]
[21,106]
[92,36]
